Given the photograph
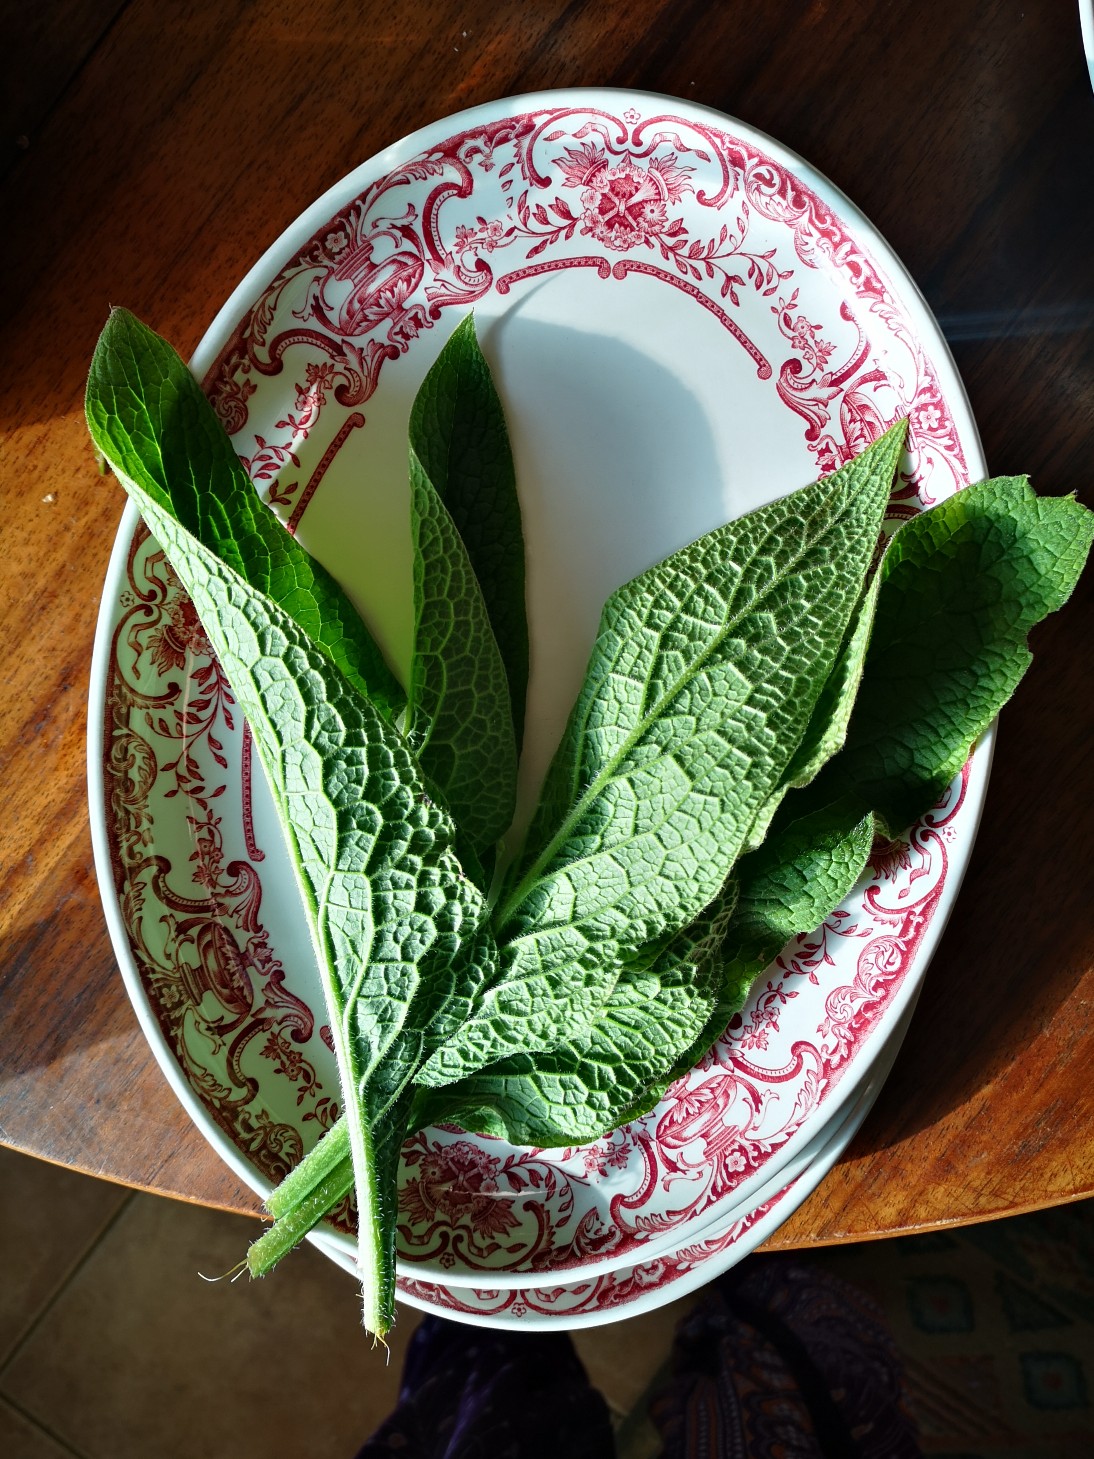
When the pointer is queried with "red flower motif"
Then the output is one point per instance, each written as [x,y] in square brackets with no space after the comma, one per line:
[319,378]
[482,239]
[807,338]
[457,1184]
[285,1058]
[182,633]
[623,207]
[804,336]
[604,1158]
[888,857]
[626,204]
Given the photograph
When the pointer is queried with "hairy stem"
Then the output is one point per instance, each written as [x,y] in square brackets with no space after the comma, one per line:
[291,1228]
[332,1150]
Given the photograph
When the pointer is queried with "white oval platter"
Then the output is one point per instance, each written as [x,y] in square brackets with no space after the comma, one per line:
[684,321]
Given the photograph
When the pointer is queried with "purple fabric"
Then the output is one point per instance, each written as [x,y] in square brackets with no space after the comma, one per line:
[782,1361]
[776,1361]
[469,1393]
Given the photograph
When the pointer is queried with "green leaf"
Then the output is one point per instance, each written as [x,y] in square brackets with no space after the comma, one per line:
[702,683]
[458,433]
[827,729]
[962,585]
[795,880]
[149,418]
[398,929]
[396,925]
[959,588]
[617,1069]
[459,721]
[790,885]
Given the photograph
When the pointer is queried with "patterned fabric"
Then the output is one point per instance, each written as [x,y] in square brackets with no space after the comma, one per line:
[995,1325]
[782,1361]
[776,1361]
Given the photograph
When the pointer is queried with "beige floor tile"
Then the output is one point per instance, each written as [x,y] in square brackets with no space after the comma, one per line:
[622,1358]
[139,1357]
[21,1439]
[49,1217]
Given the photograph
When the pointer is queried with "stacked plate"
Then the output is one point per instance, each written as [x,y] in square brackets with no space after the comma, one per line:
[684,321]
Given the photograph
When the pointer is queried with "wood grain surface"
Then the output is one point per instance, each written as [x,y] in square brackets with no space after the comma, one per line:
[153,150]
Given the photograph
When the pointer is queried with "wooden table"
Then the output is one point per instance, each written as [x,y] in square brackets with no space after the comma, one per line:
[150,151]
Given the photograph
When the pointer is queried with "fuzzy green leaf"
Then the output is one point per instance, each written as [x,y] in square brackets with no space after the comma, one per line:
[149,418]
[794,881]
[459,721]
[458,433]
[958,591]
[827,729]
[614,1072]
[701,686]
[398,930]
[962,585]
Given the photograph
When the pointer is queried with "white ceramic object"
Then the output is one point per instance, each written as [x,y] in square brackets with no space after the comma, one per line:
[684,320]
[1086,27]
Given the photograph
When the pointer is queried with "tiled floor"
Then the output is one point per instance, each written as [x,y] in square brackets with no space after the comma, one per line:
[113,1347]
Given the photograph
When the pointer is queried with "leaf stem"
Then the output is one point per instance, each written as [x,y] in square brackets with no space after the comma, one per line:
[333,1149]
[290,1229]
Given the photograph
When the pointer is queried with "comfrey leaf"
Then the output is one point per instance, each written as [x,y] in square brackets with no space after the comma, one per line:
[149,418]
[827,729]
[458,433]
[398,930]
[459,721]
[793,882]
[961,587]
[702,683]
